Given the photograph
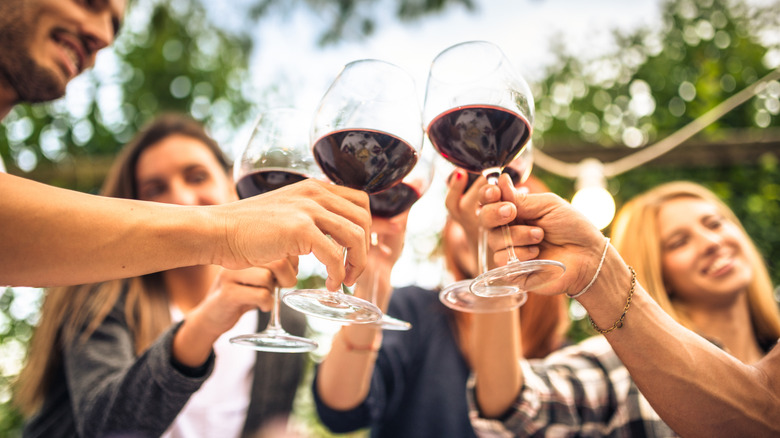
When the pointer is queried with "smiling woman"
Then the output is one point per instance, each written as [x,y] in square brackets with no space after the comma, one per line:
[685,248]
[694,257]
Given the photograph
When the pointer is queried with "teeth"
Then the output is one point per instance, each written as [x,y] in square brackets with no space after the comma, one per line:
[719,263]
[73,56]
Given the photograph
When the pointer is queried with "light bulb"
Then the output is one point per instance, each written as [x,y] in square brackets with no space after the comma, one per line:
[596,204]
[592,198]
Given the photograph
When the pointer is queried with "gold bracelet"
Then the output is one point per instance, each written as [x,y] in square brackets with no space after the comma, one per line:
[619,322]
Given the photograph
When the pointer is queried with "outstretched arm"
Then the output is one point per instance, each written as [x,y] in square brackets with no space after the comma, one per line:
[52,236]
[696,388]
[344,377]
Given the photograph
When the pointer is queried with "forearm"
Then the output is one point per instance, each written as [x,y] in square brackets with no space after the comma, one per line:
[344,377]
[496,360]
[696,388]
[54,236]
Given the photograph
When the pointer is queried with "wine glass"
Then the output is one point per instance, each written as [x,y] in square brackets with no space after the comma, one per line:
[458,296]
[394,201]
[480,113]
[366,134]
[277,154]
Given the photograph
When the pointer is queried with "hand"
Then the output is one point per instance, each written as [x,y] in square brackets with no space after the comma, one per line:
[568,236]
[307,217]
[463,207]
[232,294]
[374,284]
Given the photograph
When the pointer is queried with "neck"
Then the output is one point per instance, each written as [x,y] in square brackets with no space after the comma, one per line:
[188,286]
[730,326]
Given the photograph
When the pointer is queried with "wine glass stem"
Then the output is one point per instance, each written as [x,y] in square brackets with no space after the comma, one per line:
[374,278]
[273,322]
[492,179]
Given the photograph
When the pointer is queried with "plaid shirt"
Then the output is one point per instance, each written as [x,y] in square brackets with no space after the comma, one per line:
[582,390]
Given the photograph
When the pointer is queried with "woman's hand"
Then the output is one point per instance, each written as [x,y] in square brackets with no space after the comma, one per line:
[233,293]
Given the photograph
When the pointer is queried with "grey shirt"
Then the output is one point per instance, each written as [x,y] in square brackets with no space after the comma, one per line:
[101,389]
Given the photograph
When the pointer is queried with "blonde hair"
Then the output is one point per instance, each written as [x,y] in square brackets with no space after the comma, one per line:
[72,311]
[635,234]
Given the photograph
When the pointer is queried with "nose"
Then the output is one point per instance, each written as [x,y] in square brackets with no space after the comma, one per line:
[98,31]
[181,194]
[709,240]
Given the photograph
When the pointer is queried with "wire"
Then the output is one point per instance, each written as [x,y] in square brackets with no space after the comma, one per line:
[649,153]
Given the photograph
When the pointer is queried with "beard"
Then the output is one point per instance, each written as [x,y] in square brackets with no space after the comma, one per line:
[18,70]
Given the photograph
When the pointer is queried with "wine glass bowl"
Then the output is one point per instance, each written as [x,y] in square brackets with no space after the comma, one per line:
[367,131]
[274,156]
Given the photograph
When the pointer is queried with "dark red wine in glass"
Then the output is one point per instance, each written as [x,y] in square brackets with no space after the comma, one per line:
[266,180]
[479,137]
[367,160]
[393,201]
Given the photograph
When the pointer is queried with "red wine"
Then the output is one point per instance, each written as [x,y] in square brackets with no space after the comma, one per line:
[366,160]
[393,201]
[479,137]
[265,180]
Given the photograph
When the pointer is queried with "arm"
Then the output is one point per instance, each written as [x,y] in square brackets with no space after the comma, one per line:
[53,236]
[113,391]
[344,377]
[695,387]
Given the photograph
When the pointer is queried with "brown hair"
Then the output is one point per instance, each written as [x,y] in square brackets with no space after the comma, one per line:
[72,311]
[635,236]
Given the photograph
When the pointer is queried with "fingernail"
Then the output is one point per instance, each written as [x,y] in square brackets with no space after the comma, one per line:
[505,211]
[458,175]
[537,234]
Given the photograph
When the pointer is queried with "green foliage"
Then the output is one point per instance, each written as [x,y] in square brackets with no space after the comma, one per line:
[659,80]
[166,59]
[356,19]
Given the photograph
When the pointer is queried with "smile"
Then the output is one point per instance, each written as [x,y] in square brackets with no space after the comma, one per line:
[719,264]
[73,52]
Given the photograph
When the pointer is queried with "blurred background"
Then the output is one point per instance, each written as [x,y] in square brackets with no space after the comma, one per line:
[611,79]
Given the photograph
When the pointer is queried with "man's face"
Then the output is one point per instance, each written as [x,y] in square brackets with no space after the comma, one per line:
[46,43]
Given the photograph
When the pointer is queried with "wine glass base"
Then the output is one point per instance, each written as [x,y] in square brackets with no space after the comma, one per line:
[275,342]
[517,278]
[458,296]
[389,323]
[334,306]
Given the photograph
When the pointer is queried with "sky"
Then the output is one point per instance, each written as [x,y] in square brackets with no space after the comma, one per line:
[286,54]
[286,47]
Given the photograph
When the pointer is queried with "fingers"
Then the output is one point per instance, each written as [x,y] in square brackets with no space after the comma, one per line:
[497,213]
[247,288]
[285,271]
[343,214]
[523,238]
[456,186]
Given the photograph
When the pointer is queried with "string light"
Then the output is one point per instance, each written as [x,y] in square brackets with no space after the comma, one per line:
[592,198]
[591,175]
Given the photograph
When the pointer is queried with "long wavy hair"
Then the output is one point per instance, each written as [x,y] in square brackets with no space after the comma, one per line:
[71,314]
[635,234]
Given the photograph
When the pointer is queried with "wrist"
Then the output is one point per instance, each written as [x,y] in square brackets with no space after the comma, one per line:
[360,341]
[608,294]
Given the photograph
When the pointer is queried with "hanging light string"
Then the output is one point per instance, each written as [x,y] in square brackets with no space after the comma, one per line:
[649,153]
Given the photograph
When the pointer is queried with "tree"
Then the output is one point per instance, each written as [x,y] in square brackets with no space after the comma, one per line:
[169,57]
